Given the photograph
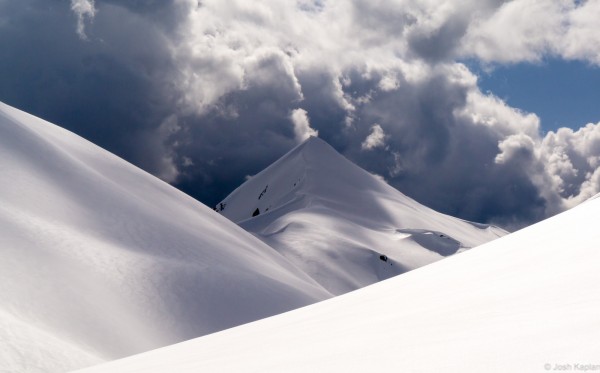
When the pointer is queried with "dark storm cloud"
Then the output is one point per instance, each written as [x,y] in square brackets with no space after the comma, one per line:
[203,94]
[247,130]
[441,43]
[165,14]
[109,89]
[444,161]
[322,101]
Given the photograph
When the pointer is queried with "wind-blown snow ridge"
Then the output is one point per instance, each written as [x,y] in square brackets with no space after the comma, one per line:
[594,197]
[527,302]
[99,260]
[343,226]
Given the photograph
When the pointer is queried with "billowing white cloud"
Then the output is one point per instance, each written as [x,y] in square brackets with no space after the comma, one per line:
[529,30]
[563,164]
[376,138]
[572,161]
[582,38]
[302,129]
[521,30]
[517,145]
[83,9]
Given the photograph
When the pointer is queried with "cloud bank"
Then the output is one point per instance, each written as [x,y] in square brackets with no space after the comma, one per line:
[202,93]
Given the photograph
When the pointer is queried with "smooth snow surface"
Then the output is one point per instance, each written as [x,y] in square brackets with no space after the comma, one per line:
[344,227]
[100,260]
[513,305]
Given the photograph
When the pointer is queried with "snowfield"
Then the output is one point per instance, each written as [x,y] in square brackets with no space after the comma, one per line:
[100,260]
[527,302]
[343,226]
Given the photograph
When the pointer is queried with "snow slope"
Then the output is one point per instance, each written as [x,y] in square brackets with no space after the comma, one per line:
[99,260]
[528,299]
[343,226]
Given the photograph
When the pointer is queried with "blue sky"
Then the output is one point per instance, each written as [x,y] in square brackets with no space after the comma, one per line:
[562,93]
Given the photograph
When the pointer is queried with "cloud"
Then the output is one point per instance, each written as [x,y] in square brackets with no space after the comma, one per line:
[375,140]
[582,38]
[113,89]
[302,130]
[517,146]
[83,9]
[571,160]
[203,93]
[566,29]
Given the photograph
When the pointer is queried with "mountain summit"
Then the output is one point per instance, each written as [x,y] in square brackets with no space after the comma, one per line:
[345,227]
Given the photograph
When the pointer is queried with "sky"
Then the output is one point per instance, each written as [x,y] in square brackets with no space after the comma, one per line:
[562,93]
[470,107]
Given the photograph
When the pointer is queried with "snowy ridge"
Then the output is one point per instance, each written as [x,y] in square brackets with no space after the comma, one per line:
[526,302]
[343,226]
[594,197]
[101,260]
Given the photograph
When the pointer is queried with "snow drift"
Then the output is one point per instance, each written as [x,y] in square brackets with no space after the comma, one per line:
[343,226]
[527,302]
[100,260]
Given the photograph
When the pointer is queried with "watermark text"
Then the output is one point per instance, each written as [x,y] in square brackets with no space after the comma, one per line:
[572,367]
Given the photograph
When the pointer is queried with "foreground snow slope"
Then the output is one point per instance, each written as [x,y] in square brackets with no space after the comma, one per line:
[99,259]
[343,226]
[513,305]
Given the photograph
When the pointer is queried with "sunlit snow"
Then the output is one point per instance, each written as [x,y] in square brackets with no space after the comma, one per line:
[343,226]
[527,302]
[101,260]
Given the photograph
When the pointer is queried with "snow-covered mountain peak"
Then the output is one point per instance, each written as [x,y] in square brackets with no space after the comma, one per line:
[315,144]
[288,180]
[345,227]
[313,173]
